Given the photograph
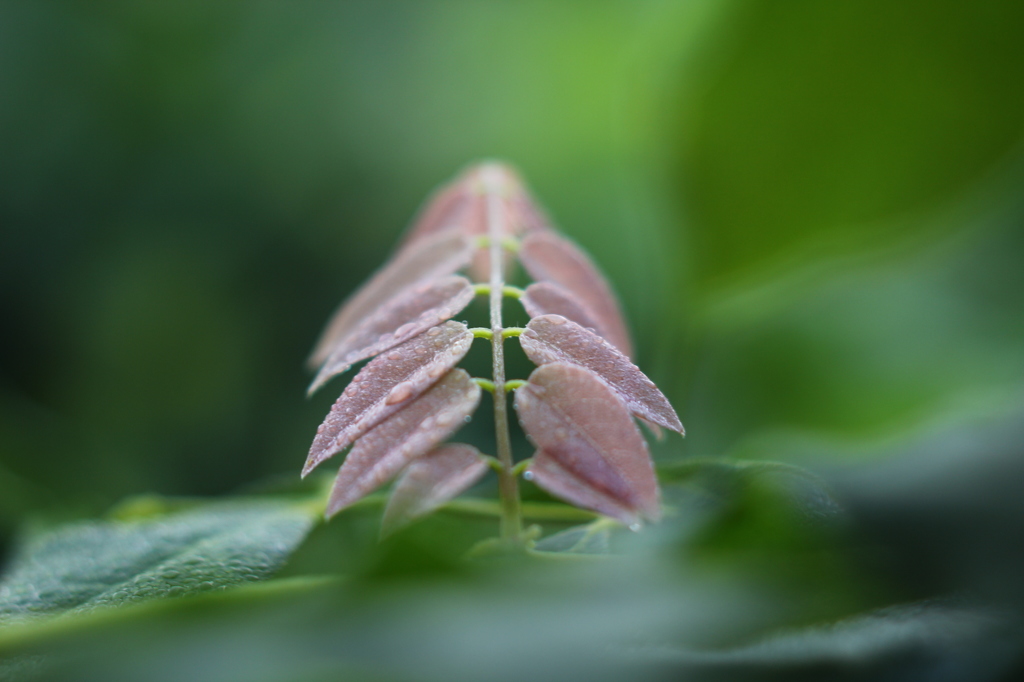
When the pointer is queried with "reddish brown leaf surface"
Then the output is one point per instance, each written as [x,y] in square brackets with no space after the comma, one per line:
[434,257]
[553,338]
[549,257]
[547,298]
[431,481]
[407,434]
[404,317]
[462,207]
[447,209]
[589,450]
[386,385]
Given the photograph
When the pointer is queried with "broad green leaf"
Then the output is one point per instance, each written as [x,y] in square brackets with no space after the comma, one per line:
[90,564]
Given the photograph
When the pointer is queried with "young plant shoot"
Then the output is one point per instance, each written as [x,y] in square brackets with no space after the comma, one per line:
[577,408]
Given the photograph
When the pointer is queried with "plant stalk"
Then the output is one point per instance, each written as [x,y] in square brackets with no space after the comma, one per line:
[508,485]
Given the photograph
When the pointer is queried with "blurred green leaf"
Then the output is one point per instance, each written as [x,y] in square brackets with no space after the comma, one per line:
[81,566]
[924,641]
[593,538]
[812,125]
[806,493]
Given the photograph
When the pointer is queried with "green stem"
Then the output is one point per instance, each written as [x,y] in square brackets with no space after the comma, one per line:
[508,291]
[508,485]
[485,384]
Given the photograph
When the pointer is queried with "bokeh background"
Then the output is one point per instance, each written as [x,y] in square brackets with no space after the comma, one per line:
[812,213]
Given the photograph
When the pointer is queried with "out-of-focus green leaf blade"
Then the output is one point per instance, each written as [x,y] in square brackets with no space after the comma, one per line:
[593,538]
[90,564]
[926,641]
[815,123]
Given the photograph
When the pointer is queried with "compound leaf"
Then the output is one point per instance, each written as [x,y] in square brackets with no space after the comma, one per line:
[407,434]
[553,338]
[549,257]
[404,317]
[386,385]
[435,257]
[432,480]
[589,450]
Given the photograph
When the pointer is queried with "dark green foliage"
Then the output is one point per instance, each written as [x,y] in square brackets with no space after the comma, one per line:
[811,212]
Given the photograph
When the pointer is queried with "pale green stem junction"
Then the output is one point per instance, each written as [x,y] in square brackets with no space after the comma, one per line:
[485,384]
[507,291]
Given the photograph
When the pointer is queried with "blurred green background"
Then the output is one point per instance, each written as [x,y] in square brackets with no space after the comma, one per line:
[811,211]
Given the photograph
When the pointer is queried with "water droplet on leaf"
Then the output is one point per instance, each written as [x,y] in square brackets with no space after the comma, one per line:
[400,392]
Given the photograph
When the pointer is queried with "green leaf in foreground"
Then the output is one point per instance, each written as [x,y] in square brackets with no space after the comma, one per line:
[85,565]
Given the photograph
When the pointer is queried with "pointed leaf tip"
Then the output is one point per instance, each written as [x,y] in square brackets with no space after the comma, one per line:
[550,257]
[407,434]
[402,318]
[430,481]
[589,450]
[386,385]
[553,338]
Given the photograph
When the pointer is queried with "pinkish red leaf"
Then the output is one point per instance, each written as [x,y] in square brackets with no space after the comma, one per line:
[402,318]
[386,385]
[435,257]
[432,480]
[552,258]
[547,298]
[589,450]
[407,434]
[553,338]
[463,207]
[458,206]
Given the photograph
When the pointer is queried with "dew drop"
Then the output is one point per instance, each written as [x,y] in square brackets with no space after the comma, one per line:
[635,527]
[527,475]
[433,331]
[400,392]
[468,418]
[556,319]
[561,434]
[445,419]
[435,372]
[405,329]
